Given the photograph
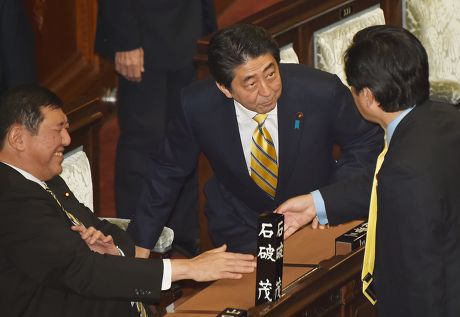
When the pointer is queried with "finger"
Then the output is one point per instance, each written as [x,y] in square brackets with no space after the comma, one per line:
[222,248]
[230,276]
[282,208]
[142,60]
[315,224]
[124,71]
[289,232]
[98,235]
[79,228]
[132,74]
[238,256]
[242,266]
[137,72]
[107,239]
[88,233]
[121,69]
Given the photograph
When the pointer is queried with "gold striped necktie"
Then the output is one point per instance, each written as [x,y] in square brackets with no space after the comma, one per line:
[264,162]
[74,220]
[141,309]
[369,252]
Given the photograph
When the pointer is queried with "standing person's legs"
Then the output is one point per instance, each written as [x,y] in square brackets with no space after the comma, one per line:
[184,220]
[141,116]
[144,109]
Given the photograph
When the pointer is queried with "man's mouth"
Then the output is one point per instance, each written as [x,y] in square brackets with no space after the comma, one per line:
[266,104]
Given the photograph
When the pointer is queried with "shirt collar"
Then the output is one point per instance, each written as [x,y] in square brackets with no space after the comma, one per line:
[27,175]
[393,124]
[245,114]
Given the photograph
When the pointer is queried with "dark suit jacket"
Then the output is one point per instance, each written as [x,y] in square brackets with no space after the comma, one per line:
[417,271]
[209,124]
[17,49]
[48,270]
[167,30]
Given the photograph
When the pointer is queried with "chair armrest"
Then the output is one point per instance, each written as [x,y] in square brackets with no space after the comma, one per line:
[164,243]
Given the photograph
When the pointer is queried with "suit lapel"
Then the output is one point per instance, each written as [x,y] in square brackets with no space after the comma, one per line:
[232,140]
[290,129]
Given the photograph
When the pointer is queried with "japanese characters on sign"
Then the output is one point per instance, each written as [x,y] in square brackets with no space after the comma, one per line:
[233,312]
[270,245]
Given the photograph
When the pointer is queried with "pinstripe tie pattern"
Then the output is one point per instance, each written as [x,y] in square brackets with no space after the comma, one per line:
[264,162]
[141,309]
[74,220]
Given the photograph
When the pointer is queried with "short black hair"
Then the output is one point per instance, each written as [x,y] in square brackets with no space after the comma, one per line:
[22,105]
[234,46]
[392,63]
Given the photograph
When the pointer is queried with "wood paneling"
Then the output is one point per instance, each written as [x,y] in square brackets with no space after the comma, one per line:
[295,21]
[67,65]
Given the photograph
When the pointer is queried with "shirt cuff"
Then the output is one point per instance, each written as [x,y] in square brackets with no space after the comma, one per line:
[120,251]
[166,282]
[320,207]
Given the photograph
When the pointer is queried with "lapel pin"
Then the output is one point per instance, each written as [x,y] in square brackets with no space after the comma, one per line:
[67,194]
[298,118]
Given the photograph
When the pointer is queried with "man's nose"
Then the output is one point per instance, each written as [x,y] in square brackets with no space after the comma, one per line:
[264,89]
[65,137]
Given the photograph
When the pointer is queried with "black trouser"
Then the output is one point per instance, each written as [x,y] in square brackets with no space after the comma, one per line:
[144,108]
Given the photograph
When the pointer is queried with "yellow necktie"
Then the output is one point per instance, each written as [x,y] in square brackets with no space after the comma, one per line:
[369,252]
[264,163]
[74,220]
[141,309]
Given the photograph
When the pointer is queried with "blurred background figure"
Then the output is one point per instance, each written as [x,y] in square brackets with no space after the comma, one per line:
[17,50]
[152,44]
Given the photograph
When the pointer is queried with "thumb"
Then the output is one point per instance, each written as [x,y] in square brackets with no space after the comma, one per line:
[283,207]
[222,248]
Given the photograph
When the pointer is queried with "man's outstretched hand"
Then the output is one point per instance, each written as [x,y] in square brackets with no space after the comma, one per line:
[213,265]
[298,212]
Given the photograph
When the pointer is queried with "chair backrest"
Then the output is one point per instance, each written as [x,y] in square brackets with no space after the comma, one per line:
[436,23]
[288,55]
[331,42]
[76,172]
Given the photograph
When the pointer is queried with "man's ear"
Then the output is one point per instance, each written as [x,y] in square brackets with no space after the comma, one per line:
[224,90]
[370,98]
[15,137]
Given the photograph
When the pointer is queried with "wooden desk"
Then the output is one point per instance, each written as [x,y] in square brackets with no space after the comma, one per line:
[333,289]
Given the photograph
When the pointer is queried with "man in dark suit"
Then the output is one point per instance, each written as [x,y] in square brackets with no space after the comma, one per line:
[47,238]
[417,248]
[152,44]
[308,112]
[17,49]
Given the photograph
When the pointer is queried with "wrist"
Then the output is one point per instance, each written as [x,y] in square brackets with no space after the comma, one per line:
[142,252]
[181,269]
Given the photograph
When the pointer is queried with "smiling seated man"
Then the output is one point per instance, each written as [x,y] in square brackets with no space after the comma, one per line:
[56,257]
[301,113]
